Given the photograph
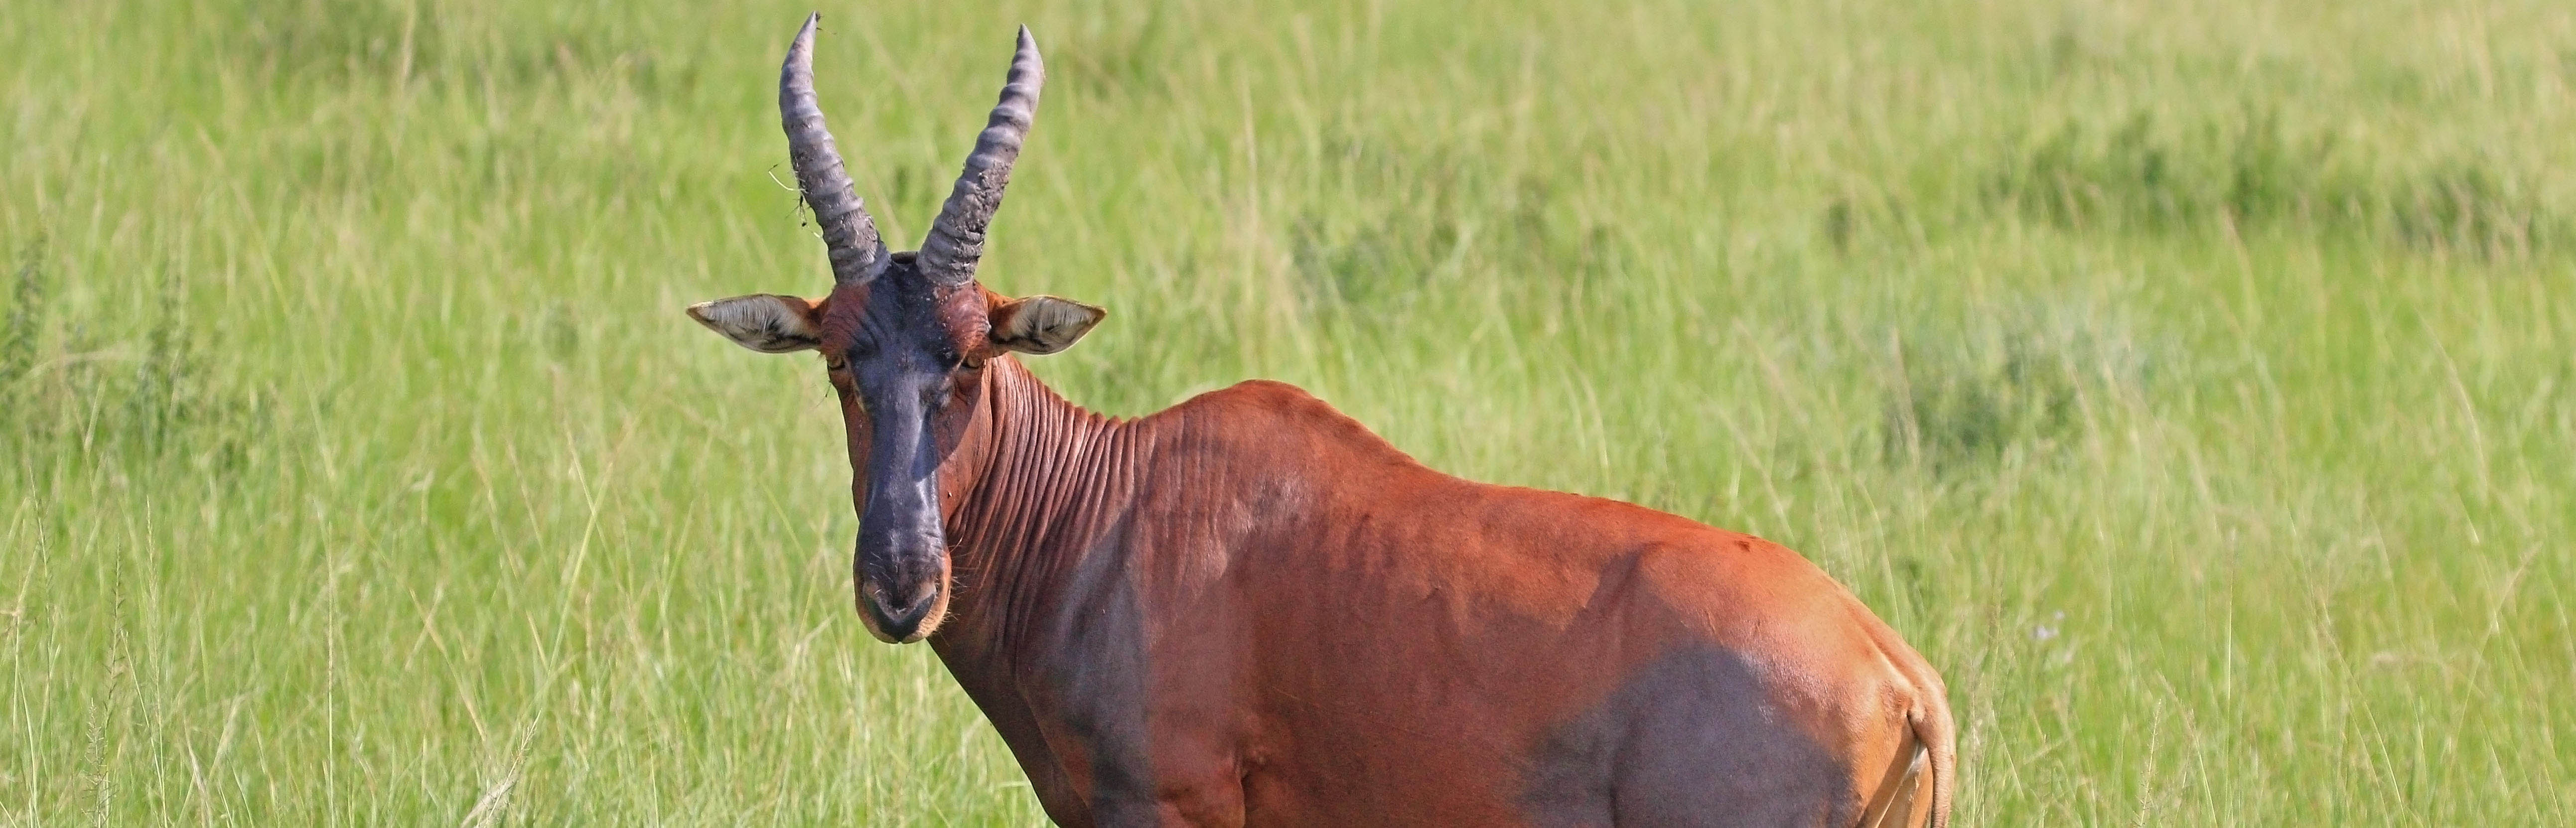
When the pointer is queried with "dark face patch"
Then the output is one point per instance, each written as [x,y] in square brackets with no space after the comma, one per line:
[899,345]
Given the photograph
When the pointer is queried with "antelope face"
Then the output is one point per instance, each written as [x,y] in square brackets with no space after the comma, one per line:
[904,339]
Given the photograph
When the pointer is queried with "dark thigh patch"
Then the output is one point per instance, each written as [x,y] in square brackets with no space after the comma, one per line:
[1693,738]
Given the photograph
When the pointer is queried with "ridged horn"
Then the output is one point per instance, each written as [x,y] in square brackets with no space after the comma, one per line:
[851,236]
[956,239]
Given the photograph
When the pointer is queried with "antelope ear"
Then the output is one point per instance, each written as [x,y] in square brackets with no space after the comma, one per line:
[763,322]
[1042,324]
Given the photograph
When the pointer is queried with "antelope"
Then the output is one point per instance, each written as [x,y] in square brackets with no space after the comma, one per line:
[1249,610]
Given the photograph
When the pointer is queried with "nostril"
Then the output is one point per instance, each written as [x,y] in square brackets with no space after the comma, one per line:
[899,607]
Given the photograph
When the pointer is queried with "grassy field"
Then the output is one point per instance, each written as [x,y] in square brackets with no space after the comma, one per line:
[2195,383]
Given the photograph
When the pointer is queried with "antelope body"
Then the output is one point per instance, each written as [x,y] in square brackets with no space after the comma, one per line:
[1249,610]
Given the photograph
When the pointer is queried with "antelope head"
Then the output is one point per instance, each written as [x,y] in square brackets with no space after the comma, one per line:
[904,337]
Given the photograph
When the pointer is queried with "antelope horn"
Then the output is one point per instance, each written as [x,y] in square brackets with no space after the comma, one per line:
[857,254]
[957,237]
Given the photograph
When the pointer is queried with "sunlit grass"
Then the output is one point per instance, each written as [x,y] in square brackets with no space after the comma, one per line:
[2195,385]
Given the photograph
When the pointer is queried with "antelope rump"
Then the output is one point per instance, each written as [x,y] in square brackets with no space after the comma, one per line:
[1247,609]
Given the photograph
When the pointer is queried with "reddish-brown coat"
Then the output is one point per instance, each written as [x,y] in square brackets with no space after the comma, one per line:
[1249,610]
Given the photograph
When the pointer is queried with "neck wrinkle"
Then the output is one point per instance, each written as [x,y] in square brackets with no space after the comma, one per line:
[1055,482]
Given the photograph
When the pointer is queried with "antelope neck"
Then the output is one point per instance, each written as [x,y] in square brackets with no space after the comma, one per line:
[1054,481]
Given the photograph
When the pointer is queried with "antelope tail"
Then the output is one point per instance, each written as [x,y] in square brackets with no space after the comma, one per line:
[1940,738]
[1892,806]
[1925,761]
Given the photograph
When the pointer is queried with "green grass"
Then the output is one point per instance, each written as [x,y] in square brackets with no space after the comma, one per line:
[2195,384]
